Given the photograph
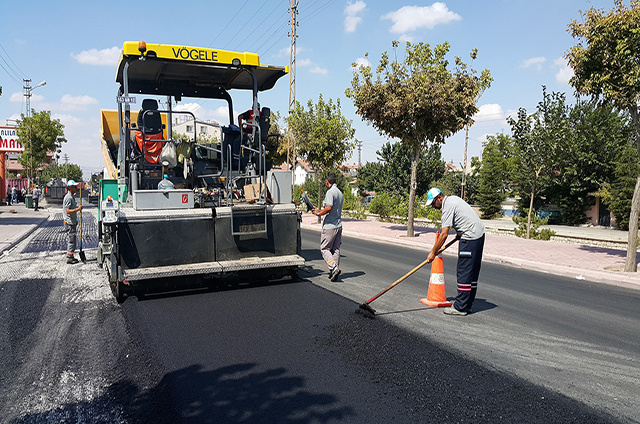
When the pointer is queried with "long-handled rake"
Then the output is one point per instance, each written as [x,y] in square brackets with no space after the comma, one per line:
[367,308]
[83,257]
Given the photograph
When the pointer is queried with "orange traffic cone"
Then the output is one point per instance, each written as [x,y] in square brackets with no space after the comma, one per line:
[436,295]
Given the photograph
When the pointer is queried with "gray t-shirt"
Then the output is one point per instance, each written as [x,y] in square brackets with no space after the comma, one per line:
[333,198]
[457,213]
[69,201]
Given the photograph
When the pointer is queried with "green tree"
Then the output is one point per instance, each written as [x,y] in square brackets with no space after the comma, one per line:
[598,133]
[69,171]
[419,101]
[397,166]
[324,137]
[371,176]
[606,66]
[38,134]
[495,171]
[538,139]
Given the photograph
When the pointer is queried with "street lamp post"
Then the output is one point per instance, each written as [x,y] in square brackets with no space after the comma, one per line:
[27,94]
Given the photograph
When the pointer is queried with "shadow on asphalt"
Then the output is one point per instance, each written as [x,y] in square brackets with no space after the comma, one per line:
[232,394]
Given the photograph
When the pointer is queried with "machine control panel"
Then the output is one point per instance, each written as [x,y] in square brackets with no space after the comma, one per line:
[110,208]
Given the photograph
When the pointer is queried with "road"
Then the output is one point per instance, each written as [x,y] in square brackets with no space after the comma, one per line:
[297,353]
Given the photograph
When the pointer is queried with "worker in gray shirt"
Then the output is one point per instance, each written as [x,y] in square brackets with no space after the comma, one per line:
[70,209]
[458,214]
[331,237]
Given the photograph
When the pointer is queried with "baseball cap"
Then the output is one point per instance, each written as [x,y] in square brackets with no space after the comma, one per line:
[71,183]
[432,194]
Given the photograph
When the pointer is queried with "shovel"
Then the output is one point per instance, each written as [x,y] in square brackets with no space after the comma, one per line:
[83,257]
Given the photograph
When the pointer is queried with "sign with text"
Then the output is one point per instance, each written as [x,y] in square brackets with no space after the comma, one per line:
[9,141]
[126,99]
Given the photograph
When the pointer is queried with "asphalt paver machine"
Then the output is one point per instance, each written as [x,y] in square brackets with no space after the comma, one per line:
[184,208]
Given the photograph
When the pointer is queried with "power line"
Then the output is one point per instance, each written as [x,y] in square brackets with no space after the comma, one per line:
[228,23]
[256,28]
[14,79]
[248,20]
[18,74]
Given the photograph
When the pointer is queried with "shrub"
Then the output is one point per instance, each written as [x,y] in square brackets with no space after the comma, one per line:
[536,222]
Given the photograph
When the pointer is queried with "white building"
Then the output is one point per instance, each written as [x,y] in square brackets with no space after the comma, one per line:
[206,129]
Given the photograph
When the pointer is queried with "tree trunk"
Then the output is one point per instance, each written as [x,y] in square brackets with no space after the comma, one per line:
[630,264]
[533,191]
[412,190]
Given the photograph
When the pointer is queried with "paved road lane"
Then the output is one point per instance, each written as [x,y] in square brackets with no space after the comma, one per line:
[580,339]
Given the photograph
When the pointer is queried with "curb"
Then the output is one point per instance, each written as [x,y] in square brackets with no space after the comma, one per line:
[17,240]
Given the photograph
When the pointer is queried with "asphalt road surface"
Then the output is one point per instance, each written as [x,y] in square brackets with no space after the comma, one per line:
[295,352]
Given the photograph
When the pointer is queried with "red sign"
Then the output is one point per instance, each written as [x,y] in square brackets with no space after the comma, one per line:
[9,141]
[185,198]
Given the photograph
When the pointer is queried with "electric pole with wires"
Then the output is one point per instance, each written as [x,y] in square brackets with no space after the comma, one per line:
[293,33]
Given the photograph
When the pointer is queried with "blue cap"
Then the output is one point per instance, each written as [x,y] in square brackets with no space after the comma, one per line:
[433,193]
[71,183]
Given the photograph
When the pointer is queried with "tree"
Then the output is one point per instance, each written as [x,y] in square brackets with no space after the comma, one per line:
[537,140]
[39,134]
[598,134]
[618,194]
[324,137]
[68,171]
[418,101]
[392,173]
[495,172]
[605,65]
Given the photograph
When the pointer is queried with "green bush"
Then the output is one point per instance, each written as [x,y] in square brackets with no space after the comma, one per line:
[382,205]
[536,222]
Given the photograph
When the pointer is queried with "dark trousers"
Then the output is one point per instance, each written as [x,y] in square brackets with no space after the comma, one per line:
[468,271]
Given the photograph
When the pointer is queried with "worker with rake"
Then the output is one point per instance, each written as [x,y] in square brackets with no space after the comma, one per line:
[458,214]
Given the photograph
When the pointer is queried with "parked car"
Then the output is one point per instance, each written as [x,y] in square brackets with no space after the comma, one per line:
[552,213]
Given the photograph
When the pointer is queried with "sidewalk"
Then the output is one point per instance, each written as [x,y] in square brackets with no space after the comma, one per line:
[583,262]
[17,222]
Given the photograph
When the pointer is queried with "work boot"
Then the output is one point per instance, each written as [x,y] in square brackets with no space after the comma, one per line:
[71,260]
[453,311]
[335,275]
[330,274]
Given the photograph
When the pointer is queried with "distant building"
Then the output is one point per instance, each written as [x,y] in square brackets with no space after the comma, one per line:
[302,171]
[186,125]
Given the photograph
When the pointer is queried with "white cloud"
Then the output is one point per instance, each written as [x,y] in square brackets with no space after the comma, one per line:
[286,51]
[534,62]
[489,112]
[95,57]
[361,61]
[69,102]
[318,70]
[351,12]
[410,18]
[303,62]
[404,38]
[17,97]
[565,72]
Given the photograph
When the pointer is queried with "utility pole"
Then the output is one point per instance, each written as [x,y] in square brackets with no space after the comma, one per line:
[27,95]
[293,33]
[66,166]
[359,144]
[464,169]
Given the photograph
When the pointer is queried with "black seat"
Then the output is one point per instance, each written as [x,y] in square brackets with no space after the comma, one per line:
[152,119]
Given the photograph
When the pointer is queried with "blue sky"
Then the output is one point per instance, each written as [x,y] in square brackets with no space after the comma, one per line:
[75,45]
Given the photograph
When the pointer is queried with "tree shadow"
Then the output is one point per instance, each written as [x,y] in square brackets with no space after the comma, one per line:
[232,394]
[616,253]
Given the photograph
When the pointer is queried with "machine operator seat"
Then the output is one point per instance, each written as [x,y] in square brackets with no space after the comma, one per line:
[151,123]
